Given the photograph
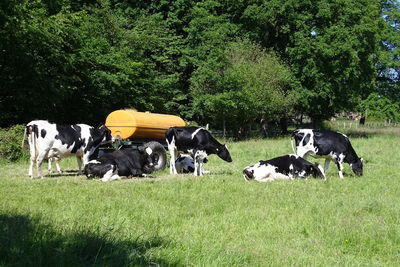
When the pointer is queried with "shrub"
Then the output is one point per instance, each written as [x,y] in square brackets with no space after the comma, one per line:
[10,143]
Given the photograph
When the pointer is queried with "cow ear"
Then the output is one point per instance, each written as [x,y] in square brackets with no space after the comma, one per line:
[141,148]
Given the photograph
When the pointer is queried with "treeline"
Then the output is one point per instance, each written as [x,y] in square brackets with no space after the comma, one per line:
[233,64]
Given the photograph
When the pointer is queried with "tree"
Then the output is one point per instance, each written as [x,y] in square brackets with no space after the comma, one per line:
[252,87]
[331,47]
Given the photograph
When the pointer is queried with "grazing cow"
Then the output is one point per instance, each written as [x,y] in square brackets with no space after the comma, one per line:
[332,146]
[285,167]
[124,162]
[198,142]
[53,141]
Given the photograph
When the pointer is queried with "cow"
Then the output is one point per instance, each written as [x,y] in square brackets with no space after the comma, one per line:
[124,162]
[198,142]
[333,146]
[185,163]
[54,141]
[286,167]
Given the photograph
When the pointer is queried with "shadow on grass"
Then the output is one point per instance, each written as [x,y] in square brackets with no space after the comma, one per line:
[27,242]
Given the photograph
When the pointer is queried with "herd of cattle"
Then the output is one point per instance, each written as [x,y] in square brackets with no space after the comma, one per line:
[189,148]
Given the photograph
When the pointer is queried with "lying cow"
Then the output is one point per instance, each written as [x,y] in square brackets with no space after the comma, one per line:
[198,142]
[286,167]
[53,141]
[124,162]
[332,146]
[185,164]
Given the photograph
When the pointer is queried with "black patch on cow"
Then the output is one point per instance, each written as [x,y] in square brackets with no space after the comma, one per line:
[70,135]
[43,133]
[35,130]
[306,139]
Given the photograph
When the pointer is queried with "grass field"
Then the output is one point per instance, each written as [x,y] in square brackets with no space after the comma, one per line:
[215,220]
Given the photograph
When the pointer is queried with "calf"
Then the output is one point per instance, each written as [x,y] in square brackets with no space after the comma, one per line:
[198,142]
[185,163]
[332,146]
[123,162]
[285,167]
[53,141]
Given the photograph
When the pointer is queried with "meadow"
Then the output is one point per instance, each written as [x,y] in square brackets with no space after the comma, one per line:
[215,220]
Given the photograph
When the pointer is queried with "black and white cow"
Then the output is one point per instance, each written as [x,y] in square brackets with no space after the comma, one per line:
[53,141]
[332,146]
[124,162]
[286,167]
[198,142]
[185,163]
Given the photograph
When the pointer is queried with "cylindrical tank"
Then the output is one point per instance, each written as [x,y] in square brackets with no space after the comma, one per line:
[129,123]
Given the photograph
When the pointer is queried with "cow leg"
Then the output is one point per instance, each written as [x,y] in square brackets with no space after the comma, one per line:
[110,175]
[39,162]
[197,167]
[57,160]
[79,160]
[30,171]
[340,167]
[49,166]
[197,164]
[339,162]
[173,153]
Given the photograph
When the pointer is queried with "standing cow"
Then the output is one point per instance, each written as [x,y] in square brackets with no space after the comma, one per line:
[285,167]
[198,142]
[53,141]
[332,146]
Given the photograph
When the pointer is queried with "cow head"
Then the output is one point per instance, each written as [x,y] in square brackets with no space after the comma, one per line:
[105,133]
[223,153]
[357,166]
[96,169]
[248,173]
[255,171]
[148,158]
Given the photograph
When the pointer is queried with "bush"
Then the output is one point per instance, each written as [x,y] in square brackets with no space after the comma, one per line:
[10,143]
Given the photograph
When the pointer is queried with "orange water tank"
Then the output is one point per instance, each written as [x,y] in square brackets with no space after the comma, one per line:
[129,123]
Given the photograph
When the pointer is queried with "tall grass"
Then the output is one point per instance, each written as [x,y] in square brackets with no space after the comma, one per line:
[214,220]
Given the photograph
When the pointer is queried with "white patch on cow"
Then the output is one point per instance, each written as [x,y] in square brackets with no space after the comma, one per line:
[148,150]
[94,161]
[195,132]
[340,161]
[266,173]
[308,148]
[291,167]
[110,175]
[321,170]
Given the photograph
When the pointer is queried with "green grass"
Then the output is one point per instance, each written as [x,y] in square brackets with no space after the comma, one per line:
[214,220]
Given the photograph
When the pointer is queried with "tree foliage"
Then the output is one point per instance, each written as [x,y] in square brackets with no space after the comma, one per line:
[206,60]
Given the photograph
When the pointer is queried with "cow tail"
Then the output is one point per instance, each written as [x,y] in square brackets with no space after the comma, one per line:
[292,142]
[23,140]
